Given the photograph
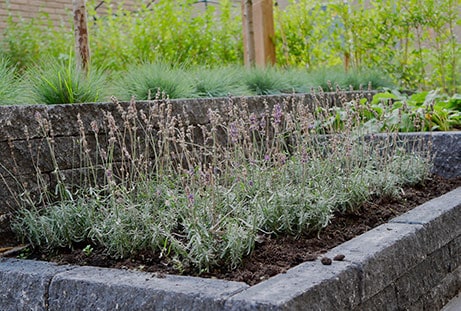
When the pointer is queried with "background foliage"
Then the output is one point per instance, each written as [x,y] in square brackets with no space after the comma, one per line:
[413,41]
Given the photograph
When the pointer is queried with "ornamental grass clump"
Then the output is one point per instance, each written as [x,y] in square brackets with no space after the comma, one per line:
[266,81]
[146,80]
[199,196]
[354,79]
[218,82]
[55,81]
[10,84]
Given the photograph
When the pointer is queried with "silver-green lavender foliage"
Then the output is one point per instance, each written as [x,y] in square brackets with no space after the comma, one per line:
[248,173]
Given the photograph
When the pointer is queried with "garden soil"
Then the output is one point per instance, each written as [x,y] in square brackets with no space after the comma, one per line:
[272,254]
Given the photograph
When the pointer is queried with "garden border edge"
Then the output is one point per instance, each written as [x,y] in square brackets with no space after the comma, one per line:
[411,262]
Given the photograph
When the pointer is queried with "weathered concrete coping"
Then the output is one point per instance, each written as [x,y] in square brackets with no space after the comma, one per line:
[412,262]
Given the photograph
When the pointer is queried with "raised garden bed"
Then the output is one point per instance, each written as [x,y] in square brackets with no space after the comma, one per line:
[411,262]
[306,284]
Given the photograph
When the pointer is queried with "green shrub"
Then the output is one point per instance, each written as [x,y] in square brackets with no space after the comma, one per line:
[393,111]
[329,79]
[168,30]
[413,42]
[25,42]
[301,31]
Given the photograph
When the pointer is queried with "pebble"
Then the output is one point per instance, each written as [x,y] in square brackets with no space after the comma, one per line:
[339,257]
[326,261]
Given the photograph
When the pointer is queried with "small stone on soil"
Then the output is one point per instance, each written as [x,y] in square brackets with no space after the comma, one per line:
[326,261]
[339,257]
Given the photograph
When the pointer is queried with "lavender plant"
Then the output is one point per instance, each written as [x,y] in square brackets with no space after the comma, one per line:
[200,195]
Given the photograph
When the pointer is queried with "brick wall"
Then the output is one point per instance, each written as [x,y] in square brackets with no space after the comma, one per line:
[58,10]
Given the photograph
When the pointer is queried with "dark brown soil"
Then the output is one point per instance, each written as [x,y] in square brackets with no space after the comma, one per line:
[272,254]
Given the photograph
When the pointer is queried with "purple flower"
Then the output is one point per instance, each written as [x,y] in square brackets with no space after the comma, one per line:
[267,157]
[283,159]
[110,177]
[38,117]
[233,132]
[190,196]
[94,127]
[253,122]
[262,122]
[277,114]
[304,157]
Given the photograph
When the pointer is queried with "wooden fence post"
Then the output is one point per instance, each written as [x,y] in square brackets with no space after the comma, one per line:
[258,32]
[263,21]
[248,33]
[82,46]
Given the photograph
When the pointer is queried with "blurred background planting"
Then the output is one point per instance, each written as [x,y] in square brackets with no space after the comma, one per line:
[416,43]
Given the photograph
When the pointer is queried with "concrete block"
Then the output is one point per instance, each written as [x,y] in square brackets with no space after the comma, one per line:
[441,294]
[13,119]
[309,286]
[25,284]
[383,255]
[414,285]
[447,162]
[384,300]
[440,219]
[90,288]
[455,253]
[447,205]
[444,146]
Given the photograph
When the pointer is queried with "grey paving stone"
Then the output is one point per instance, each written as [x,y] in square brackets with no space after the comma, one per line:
[382,254]
[440,216]
[24,284]
[440,220]
[441,294]
[416,283]
[309,286]
[447,206]
[454,304]
[90,288]
[384,300]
